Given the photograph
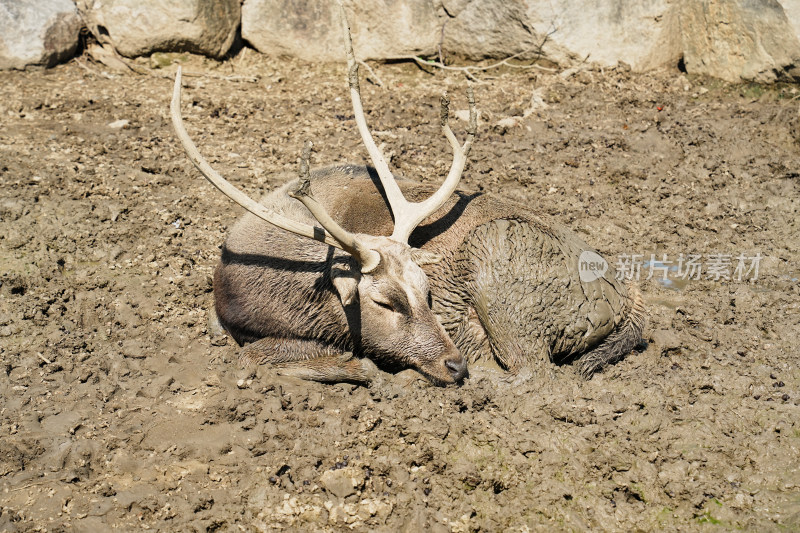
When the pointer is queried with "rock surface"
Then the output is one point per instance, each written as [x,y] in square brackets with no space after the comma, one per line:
[141,27]
[740,40]
[730,39]
[311,30]
[37,32]
[792,10]
[642,34]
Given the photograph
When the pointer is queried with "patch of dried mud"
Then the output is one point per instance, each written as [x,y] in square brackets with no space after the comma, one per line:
[118,408]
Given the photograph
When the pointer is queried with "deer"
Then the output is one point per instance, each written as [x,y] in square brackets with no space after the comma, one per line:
[348,266]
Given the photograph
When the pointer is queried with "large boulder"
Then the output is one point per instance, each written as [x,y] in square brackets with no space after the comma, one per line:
[37,32]
[740,40]
[730,39]
[640,33]
[792,10]
[311,29]
[141,27]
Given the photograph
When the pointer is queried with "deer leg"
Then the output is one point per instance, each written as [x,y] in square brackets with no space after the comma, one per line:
[504,345]
[330,370]
[308,359]
[470,337]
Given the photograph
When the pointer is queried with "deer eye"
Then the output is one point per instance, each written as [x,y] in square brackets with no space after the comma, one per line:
[382,301]
[391,298]
[385,305]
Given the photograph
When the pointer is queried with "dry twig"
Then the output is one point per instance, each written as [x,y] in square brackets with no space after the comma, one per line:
[377,79]
[471,69]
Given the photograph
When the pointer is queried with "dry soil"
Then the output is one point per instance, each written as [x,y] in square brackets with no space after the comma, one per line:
[119,408]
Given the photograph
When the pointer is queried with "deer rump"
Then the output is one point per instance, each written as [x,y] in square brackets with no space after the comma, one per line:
[508,286]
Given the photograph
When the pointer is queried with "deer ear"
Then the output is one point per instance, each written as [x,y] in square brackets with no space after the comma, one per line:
[424,257]
[346,284]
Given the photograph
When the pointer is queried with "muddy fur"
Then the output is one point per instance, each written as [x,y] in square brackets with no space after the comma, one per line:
[508,286]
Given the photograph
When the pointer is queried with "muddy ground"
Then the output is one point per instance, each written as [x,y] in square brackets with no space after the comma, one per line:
[119,408]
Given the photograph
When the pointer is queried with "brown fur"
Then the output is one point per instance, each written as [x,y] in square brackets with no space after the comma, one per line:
[507,287]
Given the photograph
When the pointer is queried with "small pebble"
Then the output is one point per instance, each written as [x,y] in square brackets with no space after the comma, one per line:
[118,124]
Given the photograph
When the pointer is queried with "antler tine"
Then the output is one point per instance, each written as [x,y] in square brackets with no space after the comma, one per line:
[367,258]
[407,215]
[228,189]
[393,194]
[417,212]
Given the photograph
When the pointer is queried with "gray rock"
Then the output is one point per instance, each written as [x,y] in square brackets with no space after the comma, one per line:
[37,32]
[141,27]
[730,39]
[640,34]
[491,29]
[738,40]
[792,10]
[343,482]
[310,29]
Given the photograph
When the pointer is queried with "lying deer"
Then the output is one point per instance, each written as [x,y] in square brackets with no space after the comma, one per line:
[406,274]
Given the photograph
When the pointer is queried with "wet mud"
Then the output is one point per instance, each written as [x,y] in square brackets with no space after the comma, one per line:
[119,407]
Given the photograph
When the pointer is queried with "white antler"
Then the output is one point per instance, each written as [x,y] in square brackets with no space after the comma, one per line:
[368,258]
[408,215]
[334,236]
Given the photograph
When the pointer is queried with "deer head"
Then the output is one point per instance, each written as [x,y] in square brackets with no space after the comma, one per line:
[386,280]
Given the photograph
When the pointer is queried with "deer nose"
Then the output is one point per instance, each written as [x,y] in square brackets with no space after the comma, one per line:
[457,368]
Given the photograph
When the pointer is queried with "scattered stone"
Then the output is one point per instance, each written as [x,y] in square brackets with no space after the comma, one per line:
[342,482]
[118,124]
[665,341]
[503,125]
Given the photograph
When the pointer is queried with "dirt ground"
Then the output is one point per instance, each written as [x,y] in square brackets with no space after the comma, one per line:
[119,408]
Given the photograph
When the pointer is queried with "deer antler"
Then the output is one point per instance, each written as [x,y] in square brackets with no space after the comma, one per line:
[335,236]
[367,258]
[408,215]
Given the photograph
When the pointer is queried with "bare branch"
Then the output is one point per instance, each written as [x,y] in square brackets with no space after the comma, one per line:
[469,70]
[377,78]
